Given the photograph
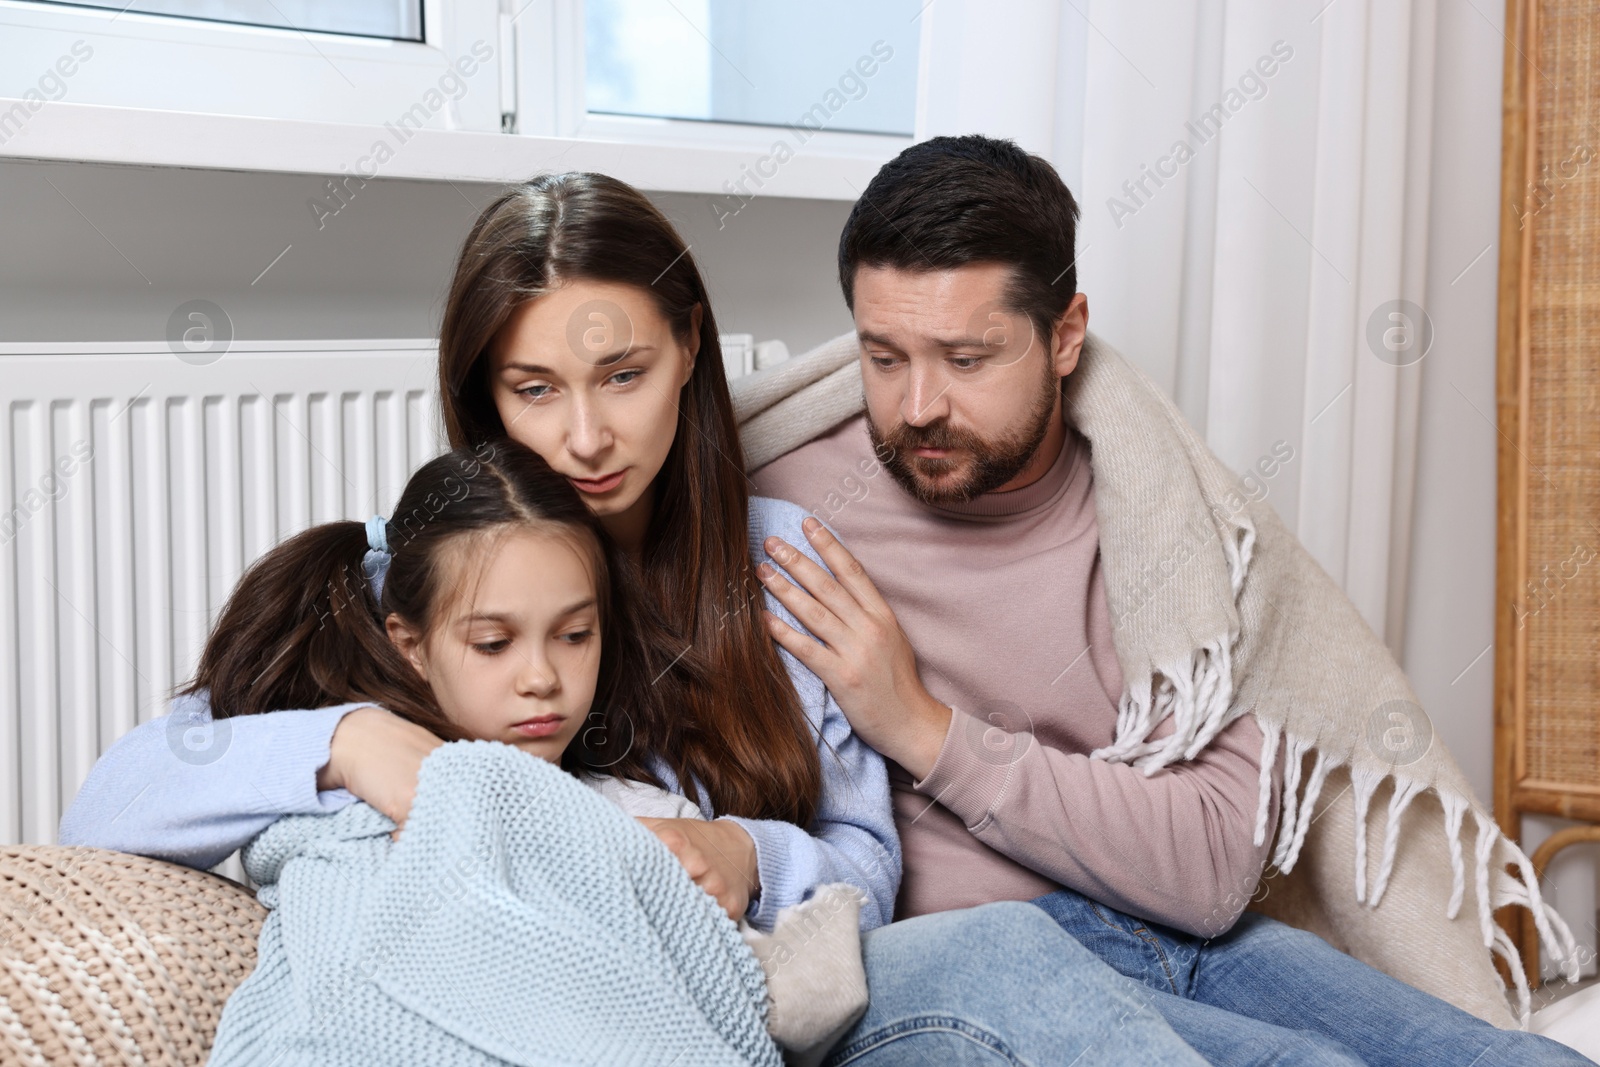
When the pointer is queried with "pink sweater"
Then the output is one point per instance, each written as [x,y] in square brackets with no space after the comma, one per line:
[1004,601]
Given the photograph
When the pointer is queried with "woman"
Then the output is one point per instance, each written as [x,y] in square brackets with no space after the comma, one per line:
[578,324]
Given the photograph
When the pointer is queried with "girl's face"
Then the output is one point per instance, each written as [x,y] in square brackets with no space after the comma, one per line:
[514,654]
[588,376]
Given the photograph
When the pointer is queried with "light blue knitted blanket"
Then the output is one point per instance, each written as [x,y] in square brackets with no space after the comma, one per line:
[521,918]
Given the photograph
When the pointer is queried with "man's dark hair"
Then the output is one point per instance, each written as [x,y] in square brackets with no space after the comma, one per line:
[950,201]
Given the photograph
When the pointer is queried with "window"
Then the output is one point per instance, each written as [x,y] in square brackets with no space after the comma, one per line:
[358,62]
[686,95]
[838,65]
[399,20]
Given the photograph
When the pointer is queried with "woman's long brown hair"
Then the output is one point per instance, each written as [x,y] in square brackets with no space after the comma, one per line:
[747,739]
[303,629]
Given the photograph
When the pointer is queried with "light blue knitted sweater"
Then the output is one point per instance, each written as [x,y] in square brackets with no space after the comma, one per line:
[521,918]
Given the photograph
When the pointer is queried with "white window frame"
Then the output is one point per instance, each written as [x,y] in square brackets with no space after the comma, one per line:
[551,67]
[538,81]
[258,71]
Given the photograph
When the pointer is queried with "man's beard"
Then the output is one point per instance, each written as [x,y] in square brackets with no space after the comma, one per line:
[988,464]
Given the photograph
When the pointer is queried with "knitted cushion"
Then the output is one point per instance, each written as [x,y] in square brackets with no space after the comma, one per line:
[115,959]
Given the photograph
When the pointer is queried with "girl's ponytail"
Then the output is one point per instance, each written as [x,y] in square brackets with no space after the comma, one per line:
[304,630]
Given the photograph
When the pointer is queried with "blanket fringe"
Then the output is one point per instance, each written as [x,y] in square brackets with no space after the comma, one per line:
[1495,888]
[1271,734]
[1487,832]
[1197,693]
[1555,934]
[1404,792]
[1524,890]
[1133,724]
[1501,946]
[1289,818]
[1213,701]
[1319,775]
[1364,781]
[1455,807]
[1239,552]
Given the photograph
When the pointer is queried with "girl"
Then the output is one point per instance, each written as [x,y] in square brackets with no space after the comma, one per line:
[488,610]
[578,324]
[390,613]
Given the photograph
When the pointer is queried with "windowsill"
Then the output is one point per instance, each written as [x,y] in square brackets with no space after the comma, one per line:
[836,167]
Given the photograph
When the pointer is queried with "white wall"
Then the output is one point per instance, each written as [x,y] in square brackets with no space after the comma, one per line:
[96,252]
[771,268]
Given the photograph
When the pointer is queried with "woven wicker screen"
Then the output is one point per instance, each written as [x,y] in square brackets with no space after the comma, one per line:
[1547,666]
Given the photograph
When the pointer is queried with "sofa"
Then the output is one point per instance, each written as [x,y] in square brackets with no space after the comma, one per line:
[115,959]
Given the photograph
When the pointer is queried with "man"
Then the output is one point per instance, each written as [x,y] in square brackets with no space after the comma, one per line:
[978,655]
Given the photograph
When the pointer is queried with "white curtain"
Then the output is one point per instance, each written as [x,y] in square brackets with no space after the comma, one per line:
[1241,274]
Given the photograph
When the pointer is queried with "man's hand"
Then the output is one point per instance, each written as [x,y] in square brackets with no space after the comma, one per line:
[860,652]
[377,755]
[719,856]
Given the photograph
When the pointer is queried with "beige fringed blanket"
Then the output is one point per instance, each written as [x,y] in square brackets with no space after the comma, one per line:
[1219,611]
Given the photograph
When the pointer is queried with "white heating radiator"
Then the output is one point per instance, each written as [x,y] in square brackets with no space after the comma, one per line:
[135,488]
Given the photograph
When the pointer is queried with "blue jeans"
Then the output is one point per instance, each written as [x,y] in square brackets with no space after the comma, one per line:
[999,984]
[1272,982]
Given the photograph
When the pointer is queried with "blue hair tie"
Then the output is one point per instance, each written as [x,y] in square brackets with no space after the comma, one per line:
[375,564]
[378,533]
